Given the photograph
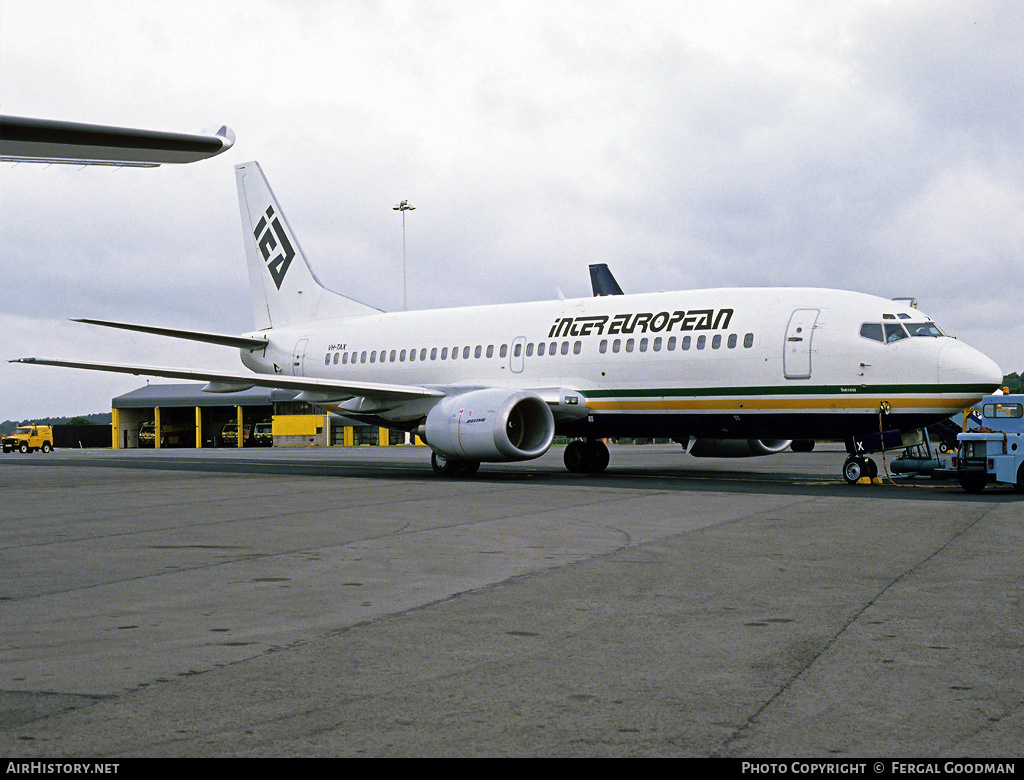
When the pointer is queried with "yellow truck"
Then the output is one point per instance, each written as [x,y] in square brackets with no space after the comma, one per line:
[171,435]
[29,438]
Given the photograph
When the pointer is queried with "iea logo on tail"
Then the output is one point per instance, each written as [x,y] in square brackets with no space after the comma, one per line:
[270,235]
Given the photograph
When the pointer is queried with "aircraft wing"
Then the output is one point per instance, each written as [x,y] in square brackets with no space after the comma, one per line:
[55,141]
[312,390]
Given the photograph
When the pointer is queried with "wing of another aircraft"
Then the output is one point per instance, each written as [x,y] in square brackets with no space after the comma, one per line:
[314,390]
[55,141]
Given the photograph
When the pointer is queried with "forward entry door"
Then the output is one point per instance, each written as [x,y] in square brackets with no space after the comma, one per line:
[796,355]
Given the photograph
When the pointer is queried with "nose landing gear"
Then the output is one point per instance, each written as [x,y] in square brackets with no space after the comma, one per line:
[858,466]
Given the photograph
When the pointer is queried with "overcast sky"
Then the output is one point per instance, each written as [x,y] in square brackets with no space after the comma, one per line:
[869,145]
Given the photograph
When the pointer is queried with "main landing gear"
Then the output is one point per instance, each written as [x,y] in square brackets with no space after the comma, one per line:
[858,466]
[453,468]
[586,457]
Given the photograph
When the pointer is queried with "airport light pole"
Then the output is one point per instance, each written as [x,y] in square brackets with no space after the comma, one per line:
[404,207]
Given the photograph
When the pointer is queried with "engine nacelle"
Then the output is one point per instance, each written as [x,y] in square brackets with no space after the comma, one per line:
[490,425]
[736,448]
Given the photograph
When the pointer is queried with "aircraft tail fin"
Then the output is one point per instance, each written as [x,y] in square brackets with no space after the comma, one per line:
[284,288]
[602,281]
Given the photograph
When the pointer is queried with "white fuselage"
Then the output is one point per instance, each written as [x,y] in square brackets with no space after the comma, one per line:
[777,362]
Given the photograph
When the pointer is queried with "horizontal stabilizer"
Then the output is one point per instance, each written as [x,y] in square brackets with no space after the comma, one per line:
[250,343]
[326,387]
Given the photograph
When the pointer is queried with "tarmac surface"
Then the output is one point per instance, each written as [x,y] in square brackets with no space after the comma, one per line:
[348,602]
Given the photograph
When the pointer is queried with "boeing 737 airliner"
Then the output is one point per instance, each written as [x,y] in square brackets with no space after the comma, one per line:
[726,372]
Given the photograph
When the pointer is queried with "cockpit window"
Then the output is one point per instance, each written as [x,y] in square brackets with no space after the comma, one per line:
[894,332]
[903,316]
[872,330]
[923,329]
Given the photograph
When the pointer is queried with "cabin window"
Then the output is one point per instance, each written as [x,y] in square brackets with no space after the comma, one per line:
[553,348]
[716,341]
[455,353]
[529,349]
[670,345]
[629,344]
[412,355]
[565,347]
[517,350]
[701,341]
[433,353]
[686,342]
[344,359]
[577,347]
[643,345]
[503,350]
[732,341]
[616,345]
[656,346]
[748,341]
[490,350]
[465,353]
[373,356]
[540,348]
[327,359]
[478,351]
[604,346]
[362,357]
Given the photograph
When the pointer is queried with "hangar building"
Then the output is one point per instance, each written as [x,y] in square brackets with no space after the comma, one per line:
[182,415]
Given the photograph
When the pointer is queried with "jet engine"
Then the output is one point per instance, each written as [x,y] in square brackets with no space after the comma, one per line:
[490,425]
[736,448]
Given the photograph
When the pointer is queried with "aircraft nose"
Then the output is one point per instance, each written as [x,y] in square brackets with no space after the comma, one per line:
[966,367]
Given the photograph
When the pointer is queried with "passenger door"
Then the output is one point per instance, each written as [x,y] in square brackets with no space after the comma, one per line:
[796,355]
[297,355]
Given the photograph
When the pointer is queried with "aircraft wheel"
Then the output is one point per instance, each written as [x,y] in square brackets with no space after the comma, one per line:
[973,483]
[442,465]
[853,470]
[599,456]
[450,468]
[872,468]
[575,456]
[590,457]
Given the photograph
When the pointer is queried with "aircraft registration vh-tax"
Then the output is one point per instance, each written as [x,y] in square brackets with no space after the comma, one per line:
[726,372]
